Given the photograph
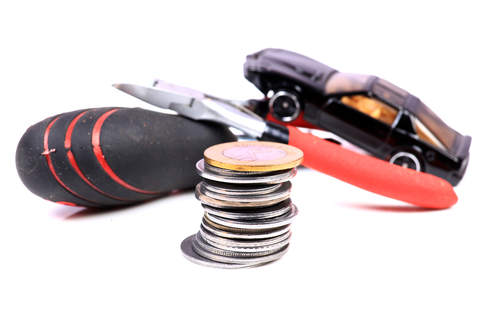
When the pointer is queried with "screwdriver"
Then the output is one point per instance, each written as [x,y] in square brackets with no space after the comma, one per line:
[113,156]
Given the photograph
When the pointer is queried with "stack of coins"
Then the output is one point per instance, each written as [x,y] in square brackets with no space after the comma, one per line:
[245,195]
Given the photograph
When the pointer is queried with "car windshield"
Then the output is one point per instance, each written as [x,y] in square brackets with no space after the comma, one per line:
[439,129]
[346,83]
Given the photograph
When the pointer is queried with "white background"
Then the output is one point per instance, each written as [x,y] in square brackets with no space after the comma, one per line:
[354,255]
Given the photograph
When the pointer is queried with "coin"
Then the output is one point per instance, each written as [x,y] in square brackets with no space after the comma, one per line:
[265,177]
[284,219]
[283,191]
[191,255]
[253,156]
[239,189]
[238,260]
[244,245]
[251,213]
[232,173]
[204,244]
[236,233]
[237,203]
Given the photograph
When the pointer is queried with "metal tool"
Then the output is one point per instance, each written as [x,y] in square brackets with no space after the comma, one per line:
[365,172]
[196,105]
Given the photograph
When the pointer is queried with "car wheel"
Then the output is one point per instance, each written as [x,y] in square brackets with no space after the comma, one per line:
[285,105]
[406,160]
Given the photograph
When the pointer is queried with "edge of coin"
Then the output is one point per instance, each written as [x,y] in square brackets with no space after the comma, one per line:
[192,256]
[283,176]
[214,156]
[269,223]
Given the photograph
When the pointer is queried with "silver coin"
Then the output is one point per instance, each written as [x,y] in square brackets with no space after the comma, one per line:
[251,213]
[247,243]
[239,189]
[248,234]
[284,219]
[281,193]
[192,256]
[251,261]
[236,203]
[225,252]
[269,177]
[241,245]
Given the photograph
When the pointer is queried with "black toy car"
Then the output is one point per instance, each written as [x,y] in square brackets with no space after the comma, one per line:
[373,114]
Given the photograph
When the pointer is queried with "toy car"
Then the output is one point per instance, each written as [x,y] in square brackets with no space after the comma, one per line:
[367,111]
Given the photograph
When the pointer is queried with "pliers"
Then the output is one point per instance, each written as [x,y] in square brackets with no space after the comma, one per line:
[363,171]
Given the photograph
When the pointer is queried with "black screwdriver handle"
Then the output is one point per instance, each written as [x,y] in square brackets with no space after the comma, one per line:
[113,156]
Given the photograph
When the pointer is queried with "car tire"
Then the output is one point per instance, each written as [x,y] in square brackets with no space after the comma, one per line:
[285,105]
[407,160]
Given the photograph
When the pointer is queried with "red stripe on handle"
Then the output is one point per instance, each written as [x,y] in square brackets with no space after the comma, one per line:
[101,158]
[73,161]
[47,152]
[68,134]
[372,174]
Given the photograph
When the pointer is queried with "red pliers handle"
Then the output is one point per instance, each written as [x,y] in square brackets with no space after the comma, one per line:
[372,174]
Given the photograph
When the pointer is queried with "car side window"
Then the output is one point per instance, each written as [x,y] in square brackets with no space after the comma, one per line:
[426,135]
[372,107]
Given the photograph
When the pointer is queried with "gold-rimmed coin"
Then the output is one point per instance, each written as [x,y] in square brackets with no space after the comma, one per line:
[253,156]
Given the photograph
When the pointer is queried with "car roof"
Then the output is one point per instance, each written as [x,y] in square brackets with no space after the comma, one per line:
[291,64]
